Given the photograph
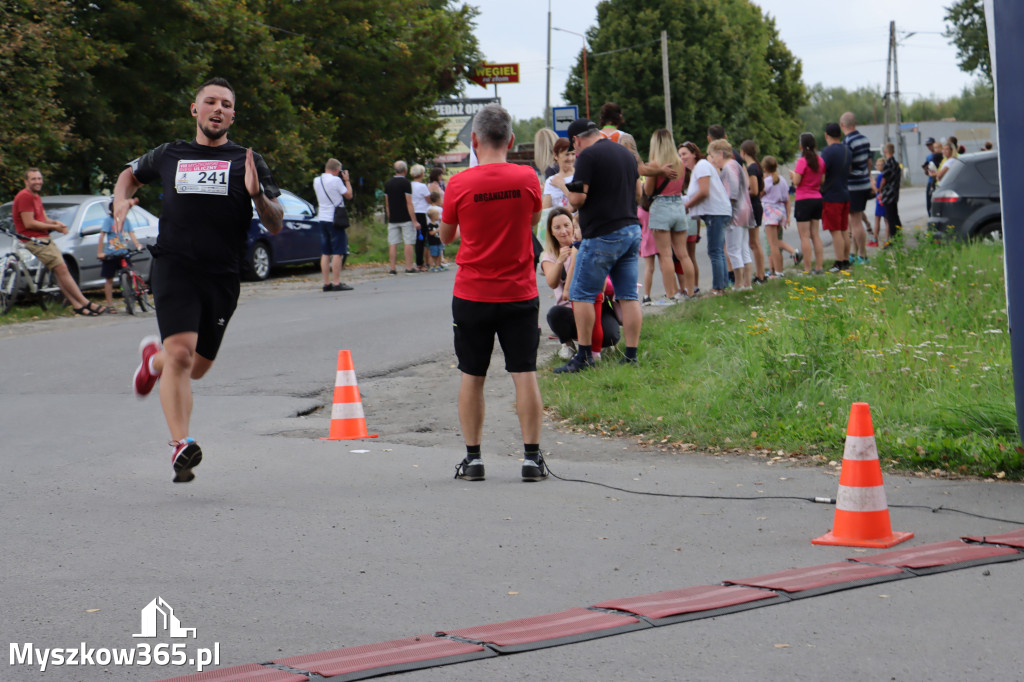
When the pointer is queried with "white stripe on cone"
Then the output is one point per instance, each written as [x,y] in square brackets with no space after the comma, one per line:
[347,411]
[860,448]
[857,499]
[345,377]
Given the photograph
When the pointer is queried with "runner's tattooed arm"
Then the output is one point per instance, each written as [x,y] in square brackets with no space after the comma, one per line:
[270,209]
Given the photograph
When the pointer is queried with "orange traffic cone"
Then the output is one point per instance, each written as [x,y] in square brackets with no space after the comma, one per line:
[347,419]
[862,513]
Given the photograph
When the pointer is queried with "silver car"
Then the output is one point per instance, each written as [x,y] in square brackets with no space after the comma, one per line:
[85,215]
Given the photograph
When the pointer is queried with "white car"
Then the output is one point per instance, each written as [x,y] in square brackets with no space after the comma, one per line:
[85,215]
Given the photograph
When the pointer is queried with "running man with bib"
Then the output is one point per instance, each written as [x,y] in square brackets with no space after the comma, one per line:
[209,186]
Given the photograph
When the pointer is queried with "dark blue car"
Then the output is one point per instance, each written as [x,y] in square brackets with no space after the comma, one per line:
[297,242]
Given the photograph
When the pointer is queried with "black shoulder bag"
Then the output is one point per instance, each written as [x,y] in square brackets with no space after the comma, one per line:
[646,201]
[340,212]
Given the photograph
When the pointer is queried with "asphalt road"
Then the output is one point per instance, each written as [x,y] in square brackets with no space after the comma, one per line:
[286,544]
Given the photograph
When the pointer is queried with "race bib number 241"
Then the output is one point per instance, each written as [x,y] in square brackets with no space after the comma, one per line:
[202,177]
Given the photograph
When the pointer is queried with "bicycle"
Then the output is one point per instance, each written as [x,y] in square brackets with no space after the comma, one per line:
[133,287]
[16,276]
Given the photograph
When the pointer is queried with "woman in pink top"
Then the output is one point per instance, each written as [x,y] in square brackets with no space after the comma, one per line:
[669,222]
[810,169]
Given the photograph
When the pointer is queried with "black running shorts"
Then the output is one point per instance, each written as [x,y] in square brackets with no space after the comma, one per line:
[806,210]
[515,324]
[188,300]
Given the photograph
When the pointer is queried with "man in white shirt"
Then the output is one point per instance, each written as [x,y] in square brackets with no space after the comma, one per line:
[332,188]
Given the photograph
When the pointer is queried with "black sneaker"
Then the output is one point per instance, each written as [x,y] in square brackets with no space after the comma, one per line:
[341,287]
[185,456]
[575,365]
[836,267]
[470,469]
[629,361]
[534,470]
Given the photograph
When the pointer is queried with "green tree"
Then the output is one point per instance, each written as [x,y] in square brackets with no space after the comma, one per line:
[826,105]
[95,84]
[36,129]
[382,65]
[525,129]
[727,65]
[966,27]
[974,103]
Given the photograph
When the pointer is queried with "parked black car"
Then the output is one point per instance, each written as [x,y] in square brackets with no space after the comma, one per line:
[297,242]
[965,204]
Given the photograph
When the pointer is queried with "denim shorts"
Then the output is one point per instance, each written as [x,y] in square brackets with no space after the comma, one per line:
[333,241]
[612,255]
[436,250]
[668,214]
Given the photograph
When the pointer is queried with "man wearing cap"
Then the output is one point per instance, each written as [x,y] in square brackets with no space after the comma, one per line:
[604,191]
[859,182]
[835,195]
[931,166]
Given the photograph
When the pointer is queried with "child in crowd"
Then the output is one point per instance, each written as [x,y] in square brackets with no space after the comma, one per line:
[776,215]
[110,248]
[879,209]
[737,238]
[434,240]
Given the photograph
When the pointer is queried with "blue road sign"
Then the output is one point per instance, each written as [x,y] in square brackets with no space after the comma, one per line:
[561,117]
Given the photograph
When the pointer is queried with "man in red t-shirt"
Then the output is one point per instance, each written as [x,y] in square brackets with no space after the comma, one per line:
[495,207]
[30,220]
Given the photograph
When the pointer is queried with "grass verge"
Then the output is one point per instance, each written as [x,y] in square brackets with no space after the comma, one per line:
[919,334]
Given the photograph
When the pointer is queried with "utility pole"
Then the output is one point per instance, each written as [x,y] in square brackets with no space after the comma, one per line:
[900,150]
[892,97]
[664,79]
[547,87]
[888,79]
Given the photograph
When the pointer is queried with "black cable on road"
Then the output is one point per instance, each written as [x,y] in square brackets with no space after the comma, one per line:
[813,500]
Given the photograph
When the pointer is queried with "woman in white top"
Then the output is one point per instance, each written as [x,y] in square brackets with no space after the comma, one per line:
[668,222]
[555,193]
[420,204]
[557,262]
[707,199]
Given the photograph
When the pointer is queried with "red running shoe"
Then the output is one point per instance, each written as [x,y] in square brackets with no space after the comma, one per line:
[185,456]
[144,379]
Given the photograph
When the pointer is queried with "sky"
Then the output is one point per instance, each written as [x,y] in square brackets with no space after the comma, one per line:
[839,46]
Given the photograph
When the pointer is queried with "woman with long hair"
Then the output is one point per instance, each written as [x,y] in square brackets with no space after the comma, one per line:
[737,240]
[806,177]
[755,176]
[557,263]
[949,151]
[555,191]
[420,204]
[435,183]
[543,152]
[776,215]
[707,199]
[668,221]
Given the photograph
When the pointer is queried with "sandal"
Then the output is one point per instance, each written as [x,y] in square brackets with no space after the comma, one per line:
[90,309]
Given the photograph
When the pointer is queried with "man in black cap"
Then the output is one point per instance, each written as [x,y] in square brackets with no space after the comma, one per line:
[604,191]
[931,167]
